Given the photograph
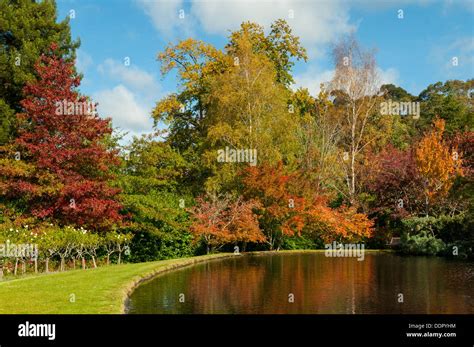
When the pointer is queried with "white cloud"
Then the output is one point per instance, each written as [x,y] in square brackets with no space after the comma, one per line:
[312,80]
[131,76]
[454,57]
[165,16]
[83,61]
[126,111]
[315,22]
[389,76]
[130,101]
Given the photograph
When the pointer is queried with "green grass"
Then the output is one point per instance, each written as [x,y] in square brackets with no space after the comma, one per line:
[96,291]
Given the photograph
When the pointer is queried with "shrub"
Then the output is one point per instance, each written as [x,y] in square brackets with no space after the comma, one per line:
[453,231]
[421,244]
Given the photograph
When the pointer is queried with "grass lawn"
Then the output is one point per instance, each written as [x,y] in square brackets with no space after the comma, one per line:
[101,290]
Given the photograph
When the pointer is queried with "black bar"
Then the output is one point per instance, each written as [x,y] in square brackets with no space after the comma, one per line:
[298,330]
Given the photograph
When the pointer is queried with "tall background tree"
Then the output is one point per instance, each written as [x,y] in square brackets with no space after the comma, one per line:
[27,29]
[452,101]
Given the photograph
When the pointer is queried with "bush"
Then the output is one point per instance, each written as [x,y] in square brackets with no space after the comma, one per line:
[301,242]
[421,244]
[453,231]
[150,244]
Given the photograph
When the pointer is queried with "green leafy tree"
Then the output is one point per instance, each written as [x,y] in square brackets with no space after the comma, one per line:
[151,184]
[452,101]
[27,29]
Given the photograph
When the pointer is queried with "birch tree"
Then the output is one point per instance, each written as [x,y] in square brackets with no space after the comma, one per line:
[355,89]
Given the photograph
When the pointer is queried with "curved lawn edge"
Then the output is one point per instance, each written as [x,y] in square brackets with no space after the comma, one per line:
[93,291]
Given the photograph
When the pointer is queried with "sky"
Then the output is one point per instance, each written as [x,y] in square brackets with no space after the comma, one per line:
[417,43]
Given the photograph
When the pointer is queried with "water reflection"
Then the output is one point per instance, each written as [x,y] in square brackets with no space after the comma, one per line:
[266,284]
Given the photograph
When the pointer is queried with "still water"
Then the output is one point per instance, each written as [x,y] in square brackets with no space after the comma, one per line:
[311,283]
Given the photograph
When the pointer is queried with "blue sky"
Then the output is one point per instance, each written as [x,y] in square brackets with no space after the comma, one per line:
[412,52]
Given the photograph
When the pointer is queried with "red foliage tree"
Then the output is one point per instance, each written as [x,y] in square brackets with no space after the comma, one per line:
[65,163]
[395,182]
[419,179]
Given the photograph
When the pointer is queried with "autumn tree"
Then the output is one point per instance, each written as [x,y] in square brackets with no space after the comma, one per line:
[319,134]
[437,164]
[343,224]
[355,89]
[184,112]
[280,46]
[259,69]
[217,220]
[284,211]
[242,223]
[268,185]
[59,167]
[248,111]
[394,181]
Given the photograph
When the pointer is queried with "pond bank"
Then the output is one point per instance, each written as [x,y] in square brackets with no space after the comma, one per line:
[92,291]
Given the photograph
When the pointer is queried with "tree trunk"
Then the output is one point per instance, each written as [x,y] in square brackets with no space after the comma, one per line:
[272,241]
[108,259]
[62,264]
[353,153]
[47,265]
[119,258]
[36,265]
[16,267]
[93,262]
[23,267]
[83,261]
[427,205]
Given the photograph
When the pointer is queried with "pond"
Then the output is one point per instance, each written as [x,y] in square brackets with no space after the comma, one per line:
[311,283]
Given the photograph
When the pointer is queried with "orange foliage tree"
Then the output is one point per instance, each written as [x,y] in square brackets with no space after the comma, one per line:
[218,221]
[284,212]
[280,213]
[437,164]
[342,224]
